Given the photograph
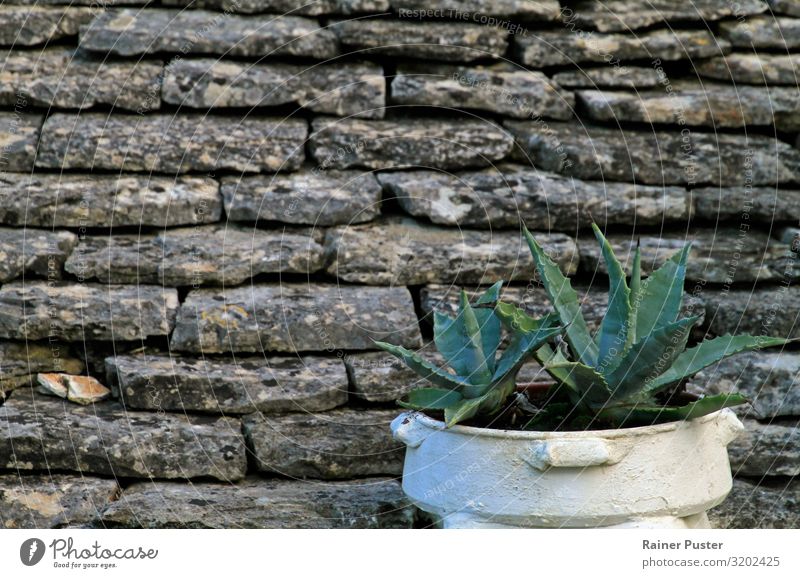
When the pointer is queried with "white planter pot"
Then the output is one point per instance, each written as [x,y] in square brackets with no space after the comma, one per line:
[661,476]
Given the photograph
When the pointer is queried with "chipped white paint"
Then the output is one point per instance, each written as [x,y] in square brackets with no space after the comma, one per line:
[662,476]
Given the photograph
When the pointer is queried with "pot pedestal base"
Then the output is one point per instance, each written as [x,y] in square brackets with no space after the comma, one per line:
[470,521]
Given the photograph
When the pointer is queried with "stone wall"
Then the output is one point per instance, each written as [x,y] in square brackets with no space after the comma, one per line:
[214,207]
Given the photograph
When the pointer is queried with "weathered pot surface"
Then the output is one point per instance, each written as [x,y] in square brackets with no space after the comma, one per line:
[661,476]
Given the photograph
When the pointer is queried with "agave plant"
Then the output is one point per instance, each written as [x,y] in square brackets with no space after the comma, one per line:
[625,372]
[482,379]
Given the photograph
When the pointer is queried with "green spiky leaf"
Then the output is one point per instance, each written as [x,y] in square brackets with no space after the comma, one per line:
[648,358]
[612,335]
[565,302]
[646,415]
[488,404]
[515,319]
[424,369]
[708,353]
[635,296]
[430,398]
[491,295]
[522,346]
[588,386]
[659,301]
[461,342]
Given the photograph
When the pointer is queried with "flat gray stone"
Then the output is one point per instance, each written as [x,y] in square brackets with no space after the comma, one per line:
[342,89]
[501,88]
[315,8]
[534,301]
[749,68]
[170,143]
[773,311]
[228,386]
[501,197]
[763,204]
[85,311]
[19,134]
[294,317]
[129,32]
[54,501]
[691,103]
[41,432]
[32,25]
[443,41]
[262,503]
[62,78]
[723,256]
[759,504]
[477,10]
[194,256]
[406,252]
[316,197]
[87,200]
[37,252]
[339,444]
[767,378]
[562,47]
[766,449]
[395,144]
[21,361]
[622,15]
[609,77]
[658,158]
[789,7]
[763,32]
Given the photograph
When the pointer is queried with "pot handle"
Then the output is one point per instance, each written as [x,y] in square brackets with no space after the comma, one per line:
[407,429]
[574,453]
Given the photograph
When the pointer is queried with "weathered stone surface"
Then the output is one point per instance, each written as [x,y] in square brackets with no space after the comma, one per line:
[295,317]
[51,384]
[767,378]
[405,252]
[317,197]
[33,251]
[790,7]
[194,256]
[533,299]
[19,134]
[315,8]
[500,88]
[41,432]
[31,25]
[54,501]
[259,503]
[343,89]
[759,504]
[338,444]
[170,143]
[63,79]
[674,157]
[764,204]
[772,311]
[21,361]
[555,48]
[717,256]
[749,68]
[622,15]
[766,450]
[477,10]
[76,200]
[505,195]
[77,312]
[789,236]
[130,31]
[444,41]
[81,389]
[763,32]
[609,77]
[390,144]
[694,104]
[229,386]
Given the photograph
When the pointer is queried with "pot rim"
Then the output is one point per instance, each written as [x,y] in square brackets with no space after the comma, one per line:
[638,431]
